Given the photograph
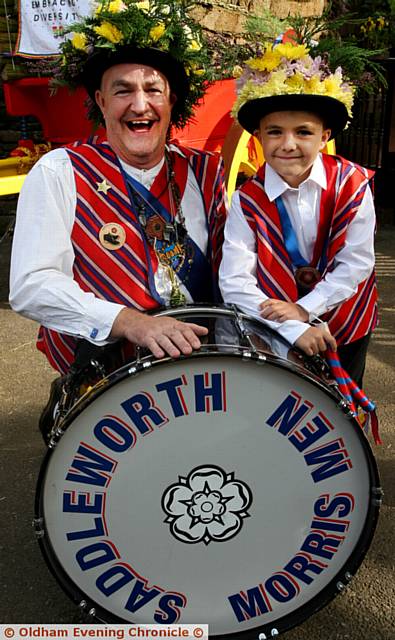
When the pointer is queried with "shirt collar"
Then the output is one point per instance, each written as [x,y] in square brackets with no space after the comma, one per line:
[145,176]
[275,186]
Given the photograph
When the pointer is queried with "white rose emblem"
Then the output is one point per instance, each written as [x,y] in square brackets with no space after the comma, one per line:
[209,505]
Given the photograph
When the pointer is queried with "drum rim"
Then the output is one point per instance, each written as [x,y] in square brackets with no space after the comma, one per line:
[285,623]
[131,368]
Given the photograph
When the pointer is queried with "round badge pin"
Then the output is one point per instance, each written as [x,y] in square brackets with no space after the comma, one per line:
[112,236]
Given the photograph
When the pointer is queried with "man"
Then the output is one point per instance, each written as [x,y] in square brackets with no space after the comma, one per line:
[109,230]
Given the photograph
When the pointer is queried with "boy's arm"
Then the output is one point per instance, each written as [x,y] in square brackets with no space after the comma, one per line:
[239,286]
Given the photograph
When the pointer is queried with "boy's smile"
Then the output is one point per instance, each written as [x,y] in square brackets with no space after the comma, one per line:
[291,141]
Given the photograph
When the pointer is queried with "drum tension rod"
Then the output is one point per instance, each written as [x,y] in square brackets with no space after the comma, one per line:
[247,336]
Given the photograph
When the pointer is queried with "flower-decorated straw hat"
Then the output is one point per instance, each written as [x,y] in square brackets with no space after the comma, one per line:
[156,33]
[286,78]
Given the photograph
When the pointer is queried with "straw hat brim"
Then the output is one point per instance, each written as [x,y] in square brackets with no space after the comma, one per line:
[333,112]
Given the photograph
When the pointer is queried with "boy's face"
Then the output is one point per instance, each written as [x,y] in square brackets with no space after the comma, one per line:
[291,141]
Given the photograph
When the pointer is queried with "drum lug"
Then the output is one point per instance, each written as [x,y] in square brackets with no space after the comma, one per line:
[344,407]
[139,366]
[340,586]
[273,634]
[91,614]
[377,496]
[37,525]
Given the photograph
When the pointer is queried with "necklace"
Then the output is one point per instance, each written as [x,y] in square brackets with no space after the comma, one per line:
[168,238]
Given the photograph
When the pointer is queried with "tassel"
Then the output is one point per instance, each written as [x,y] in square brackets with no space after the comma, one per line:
[355,397]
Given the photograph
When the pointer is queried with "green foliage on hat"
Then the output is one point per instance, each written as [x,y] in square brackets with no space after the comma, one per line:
[157,24]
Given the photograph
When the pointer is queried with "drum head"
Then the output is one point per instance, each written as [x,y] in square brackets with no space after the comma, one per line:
[212,489]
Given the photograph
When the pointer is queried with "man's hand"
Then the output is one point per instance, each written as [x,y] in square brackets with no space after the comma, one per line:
[316,340]
[161,335]
[280,310]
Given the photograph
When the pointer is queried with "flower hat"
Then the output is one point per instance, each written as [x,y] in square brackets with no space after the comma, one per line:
[286,78]
[157,33]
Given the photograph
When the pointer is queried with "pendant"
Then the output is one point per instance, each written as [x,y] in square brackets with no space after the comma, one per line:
[307,277]
[177,298]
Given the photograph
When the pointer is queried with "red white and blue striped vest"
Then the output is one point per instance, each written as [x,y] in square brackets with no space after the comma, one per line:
[121,276]
[346,186]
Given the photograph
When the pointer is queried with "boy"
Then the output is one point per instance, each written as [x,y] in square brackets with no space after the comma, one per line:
[299,237]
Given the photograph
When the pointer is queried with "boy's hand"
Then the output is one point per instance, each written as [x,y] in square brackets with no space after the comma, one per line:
[280,310]
[316,340]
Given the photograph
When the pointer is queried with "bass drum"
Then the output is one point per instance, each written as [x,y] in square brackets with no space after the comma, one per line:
[230,487]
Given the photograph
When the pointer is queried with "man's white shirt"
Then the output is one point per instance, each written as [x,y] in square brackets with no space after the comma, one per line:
[42,286]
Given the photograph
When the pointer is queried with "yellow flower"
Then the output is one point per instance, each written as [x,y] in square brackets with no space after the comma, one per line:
[198,71]
[143,6]
[157,32]
[194,46]
[332,84]
[295,83]
[115,6]
[79,41]
[109,32]
[269,61]
[314,85]
[291,51]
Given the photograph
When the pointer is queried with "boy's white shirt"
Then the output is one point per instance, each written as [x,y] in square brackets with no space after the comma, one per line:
[353,263]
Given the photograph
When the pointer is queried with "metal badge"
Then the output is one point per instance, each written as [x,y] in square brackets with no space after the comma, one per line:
[112,236]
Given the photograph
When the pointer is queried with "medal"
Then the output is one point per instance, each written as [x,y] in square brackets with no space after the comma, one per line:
[112,236]
[307,277]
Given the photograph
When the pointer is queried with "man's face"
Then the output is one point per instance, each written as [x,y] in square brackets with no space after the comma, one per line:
[136,104]
[291,141]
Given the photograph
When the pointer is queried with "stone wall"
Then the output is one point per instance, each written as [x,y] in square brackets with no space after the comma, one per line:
[220,16]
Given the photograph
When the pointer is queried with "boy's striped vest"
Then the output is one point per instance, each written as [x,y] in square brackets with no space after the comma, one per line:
[346,185]
[122,276]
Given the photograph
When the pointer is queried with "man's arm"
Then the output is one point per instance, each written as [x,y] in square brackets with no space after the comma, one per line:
[42,286]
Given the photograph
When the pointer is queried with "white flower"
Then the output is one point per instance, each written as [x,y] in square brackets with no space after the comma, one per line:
[208,505]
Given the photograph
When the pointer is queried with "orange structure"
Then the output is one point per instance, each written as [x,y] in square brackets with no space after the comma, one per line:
[62,116]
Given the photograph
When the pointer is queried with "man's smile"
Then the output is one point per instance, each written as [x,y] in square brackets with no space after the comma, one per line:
[140,125]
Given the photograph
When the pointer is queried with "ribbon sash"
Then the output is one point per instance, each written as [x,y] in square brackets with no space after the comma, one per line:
[195,272]
[291,242]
